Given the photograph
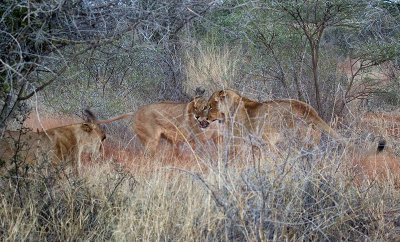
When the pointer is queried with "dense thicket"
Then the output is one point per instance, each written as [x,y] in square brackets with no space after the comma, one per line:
[86,49]
[42,41]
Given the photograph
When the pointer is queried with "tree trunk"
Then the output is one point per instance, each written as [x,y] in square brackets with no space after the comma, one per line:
[315,77]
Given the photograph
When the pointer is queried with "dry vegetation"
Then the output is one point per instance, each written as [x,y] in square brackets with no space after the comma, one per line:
[341,59]
[211,67]
[301,193]
[297,194]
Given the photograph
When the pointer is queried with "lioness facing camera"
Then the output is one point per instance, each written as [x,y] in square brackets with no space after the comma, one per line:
[176,122]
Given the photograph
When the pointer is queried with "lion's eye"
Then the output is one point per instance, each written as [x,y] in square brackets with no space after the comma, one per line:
[209,108]
[205,108]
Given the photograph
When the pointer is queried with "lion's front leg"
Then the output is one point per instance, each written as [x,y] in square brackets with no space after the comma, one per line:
[236,142]
[272,139]
[78,159]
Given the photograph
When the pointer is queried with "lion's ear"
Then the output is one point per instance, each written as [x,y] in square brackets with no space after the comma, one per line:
[190,106]
[199,92]
[86,127]
[90,117]
[222,94]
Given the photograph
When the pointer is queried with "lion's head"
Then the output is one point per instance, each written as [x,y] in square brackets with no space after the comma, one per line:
[199,108]
[221,105]
[92,134]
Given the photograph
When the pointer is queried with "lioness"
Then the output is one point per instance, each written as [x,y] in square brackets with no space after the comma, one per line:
[266,120]
[176,122]
[63,145]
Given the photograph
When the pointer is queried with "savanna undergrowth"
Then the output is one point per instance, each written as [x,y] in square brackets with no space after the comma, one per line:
[300,193]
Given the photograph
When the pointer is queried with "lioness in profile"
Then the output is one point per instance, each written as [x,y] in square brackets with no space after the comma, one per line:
[268,120]
[176,122]
[62,145]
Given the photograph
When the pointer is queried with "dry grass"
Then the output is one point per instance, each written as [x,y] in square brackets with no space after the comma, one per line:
[371,128]
[300,194]
[210,67]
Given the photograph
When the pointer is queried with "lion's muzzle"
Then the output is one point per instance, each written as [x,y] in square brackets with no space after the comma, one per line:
[204,124]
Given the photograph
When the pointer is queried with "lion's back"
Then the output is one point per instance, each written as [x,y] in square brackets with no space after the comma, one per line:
[161,115]
[291,108]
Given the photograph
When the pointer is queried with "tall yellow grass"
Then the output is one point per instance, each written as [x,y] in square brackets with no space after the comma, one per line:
[300,193]
[294,195]
[211,67]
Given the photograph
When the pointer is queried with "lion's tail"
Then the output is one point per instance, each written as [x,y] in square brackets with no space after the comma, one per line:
[331,132]
[92,118]
[381,145]
[327,129]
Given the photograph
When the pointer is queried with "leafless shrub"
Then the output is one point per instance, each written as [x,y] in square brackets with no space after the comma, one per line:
[40,40]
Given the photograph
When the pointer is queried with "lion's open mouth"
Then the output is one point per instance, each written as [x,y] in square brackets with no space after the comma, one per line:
[204,124]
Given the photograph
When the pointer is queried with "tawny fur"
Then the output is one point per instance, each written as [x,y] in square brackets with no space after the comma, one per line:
[176,122]
[267,120]
[62,145]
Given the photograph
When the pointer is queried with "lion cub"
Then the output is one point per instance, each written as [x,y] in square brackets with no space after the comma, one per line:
[62,145]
